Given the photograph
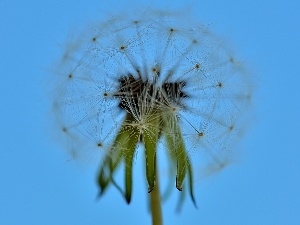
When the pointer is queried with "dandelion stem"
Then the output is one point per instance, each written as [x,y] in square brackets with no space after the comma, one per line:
[155,201]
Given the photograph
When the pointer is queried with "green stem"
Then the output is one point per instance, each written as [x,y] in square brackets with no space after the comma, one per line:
[155,202]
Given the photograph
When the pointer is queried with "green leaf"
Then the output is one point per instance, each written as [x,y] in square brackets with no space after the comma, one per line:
[128,155]
[114,157]
[150,138]
[179,155]
[176,148]
[190,175]
[182,162]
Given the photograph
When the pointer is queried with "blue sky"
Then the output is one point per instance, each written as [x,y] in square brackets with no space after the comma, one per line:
[40,185]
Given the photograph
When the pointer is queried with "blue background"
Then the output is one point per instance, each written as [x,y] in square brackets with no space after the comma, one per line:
[40,185]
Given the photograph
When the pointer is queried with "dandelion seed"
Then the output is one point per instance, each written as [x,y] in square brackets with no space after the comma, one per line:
[144,80]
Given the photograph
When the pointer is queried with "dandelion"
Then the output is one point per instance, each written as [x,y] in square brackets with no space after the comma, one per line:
[156,81]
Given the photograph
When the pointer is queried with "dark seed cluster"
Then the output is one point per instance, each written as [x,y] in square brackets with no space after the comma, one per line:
[132,89]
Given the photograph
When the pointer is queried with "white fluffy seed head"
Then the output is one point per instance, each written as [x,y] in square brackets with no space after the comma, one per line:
[178,67]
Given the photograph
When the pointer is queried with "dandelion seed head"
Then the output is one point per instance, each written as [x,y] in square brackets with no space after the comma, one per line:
[151,76]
